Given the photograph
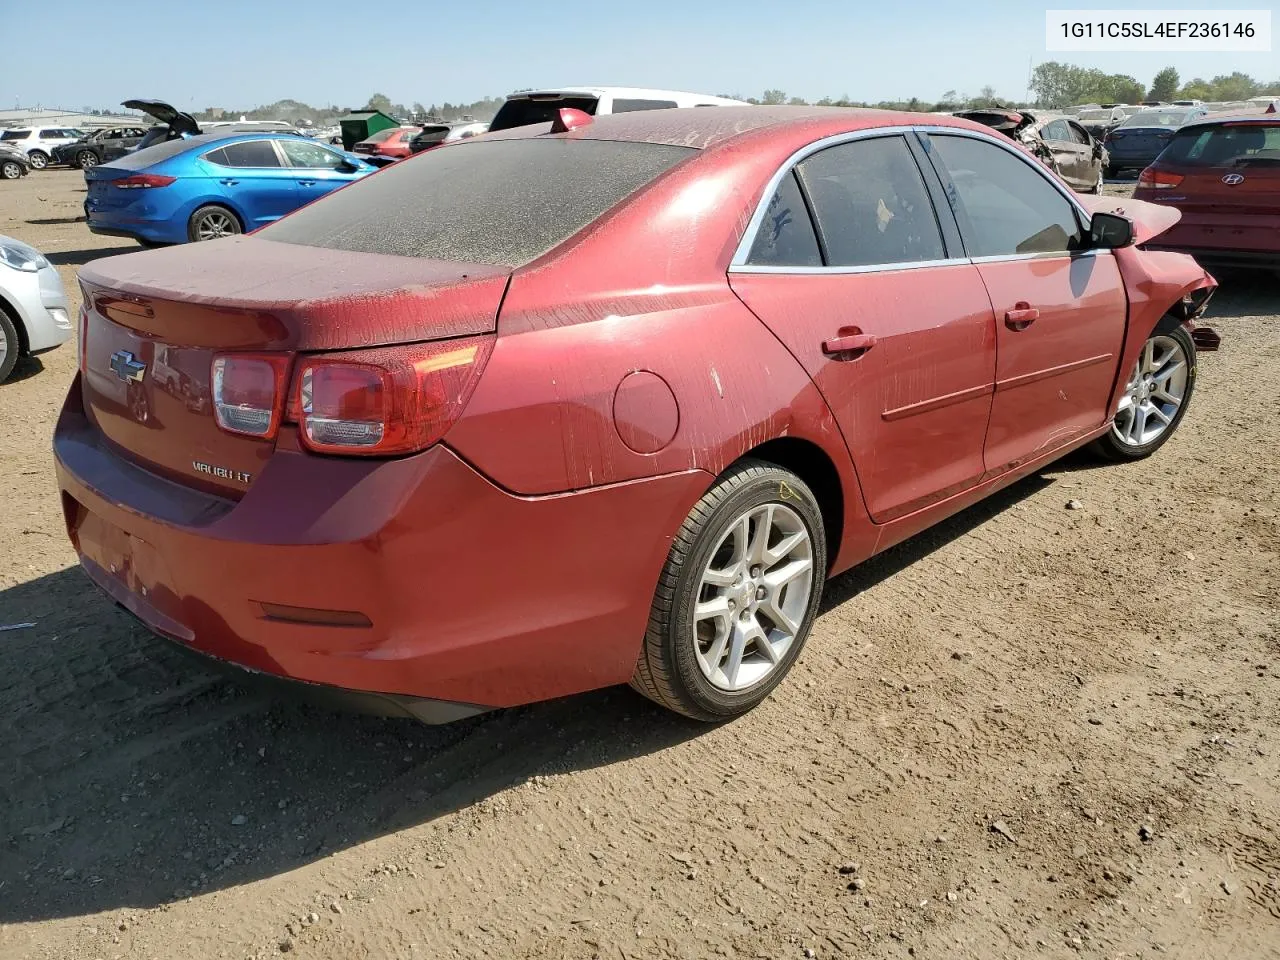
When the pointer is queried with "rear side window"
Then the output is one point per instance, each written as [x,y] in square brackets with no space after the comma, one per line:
[871,204]
[482,201]
[630,106]
[1005,206]
[1235,145]
[1078,133]
[523,110]
[15,135]
[1056,131]
[785,237]
[249,153]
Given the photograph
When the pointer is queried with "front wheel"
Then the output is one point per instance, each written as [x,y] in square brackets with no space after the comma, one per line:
[10,170]
[1155,398]
[211,222]
[86,159]
[38,159]
[9,346]
[737,597]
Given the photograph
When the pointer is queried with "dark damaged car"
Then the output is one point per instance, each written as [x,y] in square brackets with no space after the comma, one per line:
[1062,144]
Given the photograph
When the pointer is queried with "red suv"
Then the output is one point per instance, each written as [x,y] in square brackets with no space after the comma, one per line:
[1224,175]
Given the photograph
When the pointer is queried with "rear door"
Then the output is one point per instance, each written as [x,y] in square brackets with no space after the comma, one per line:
[891,322]
[1060,311]
[317,170]
[254,178]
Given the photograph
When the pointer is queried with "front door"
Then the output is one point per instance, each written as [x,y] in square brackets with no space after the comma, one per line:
[1060,310]
[895,331]
[317,170]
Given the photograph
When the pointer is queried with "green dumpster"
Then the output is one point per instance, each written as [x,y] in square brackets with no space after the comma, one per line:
[358,126]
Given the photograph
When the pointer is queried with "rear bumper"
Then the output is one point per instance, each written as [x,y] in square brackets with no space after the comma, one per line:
[448,588]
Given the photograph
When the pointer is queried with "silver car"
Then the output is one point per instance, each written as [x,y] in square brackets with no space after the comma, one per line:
[34,315]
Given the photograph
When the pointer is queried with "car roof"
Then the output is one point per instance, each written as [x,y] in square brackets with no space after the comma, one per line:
[205,139]
[708,129]
[1233,117]
[634,93]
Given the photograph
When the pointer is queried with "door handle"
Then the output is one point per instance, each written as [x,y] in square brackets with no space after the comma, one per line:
[228,183]
[1021,316]
[849,346]
[306,183]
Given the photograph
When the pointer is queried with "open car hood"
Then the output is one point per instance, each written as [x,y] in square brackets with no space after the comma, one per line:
[1149,219]
[165,113]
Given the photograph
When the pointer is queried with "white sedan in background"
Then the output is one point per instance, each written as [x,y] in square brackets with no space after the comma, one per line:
[34,316]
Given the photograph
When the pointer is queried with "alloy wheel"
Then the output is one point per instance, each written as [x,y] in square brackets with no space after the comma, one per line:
[11,171]
[38,160]
[215,224]
[1155,391]
[88,159]
[752,597]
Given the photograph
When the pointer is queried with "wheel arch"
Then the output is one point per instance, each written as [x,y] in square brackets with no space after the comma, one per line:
[812,464]
[24,341]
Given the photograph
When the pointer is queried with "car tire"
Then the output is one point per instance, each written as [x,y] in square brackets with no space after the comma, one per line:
[10,344]
[716,646]
[10,170]
[1167,362]
[39,159]
[86,159]
[212,222]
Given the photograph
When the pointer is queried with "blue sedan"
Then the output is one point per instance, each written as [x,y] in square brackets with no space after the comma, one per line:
[210,186]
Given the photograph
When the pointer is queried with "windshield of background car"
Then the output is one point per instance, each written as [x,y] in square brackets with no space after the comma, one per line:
[1225,145]
[1095,116]
[483,201]
[382,135]
[523,111]
[1158,118]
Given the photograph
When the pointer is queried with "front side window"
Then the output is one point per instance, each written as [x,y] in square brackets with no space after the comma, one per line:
[1078,133]
[785,237]
[1005,205]
[310,155]
[249,153]
[871,204]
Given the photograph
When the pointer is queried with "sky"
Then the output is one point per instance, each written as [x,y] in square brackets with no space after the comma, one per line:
[238,54]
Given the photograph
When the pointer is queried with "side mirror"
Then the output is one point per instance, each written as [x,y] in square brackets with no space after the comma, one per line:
[1107,231]
[346,166]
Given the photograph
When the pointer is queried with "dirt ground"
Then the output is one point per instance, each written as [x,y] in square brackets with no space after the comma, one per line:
[1029,732]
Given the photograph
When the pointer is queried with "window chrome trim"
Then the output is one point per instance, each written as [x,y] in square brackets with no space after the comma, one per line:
[739,263]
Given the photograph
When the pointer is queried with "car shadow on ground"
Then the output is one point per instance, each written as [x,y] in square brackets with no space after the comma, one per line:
[25,367]
[55,221]
[131,777]
[1242,294]
[78,258]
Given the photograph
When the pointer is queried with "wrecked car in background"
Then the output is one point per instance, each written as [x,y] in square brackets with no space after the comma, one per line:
[1063,144]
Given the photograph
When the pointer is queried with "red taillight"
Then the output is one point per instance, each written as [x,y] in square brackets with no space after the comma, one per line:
[248,392]
[1154,179]
[388,400]
[142,181]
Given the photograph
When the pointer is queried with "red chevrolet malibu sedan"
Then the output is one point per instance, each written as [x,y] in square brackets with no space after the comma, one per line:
[600,402]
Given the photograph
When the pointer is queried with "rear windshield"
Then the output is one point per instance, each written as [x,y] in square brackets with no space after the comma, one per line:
[1231,145]
[480,201]
[1158,118]
[139,159]
[523,111]
[382,135]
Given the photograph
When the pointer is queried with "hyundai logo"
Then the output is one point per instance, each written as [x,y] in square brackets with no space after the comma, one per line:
[1231,179]
[126,367]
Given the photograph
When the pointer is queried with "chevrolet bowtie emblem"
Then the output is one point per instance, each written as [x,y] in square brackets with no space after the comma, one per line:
[126,367]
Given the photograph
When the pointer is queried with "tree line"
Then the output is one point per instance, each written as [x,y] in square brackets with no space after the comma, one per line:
[1060,85]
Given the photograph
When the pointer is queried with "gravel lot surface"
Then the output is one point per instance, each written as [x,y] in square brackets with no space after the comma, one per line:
[1031,731]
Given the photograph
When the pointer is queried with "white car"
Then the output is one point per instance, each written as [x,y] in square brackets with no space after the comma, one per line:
[34,316]
[38,143]
[540,106]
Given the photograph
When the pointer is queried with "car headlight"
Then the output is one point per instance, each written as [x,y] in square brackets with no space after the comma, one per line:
[20,256]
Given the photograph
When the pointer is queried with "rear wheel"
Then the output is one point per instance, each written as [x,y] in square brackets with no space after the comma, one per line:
[9,346]
[1156,396]
[86,159]
[212,222]
[10,170]
[737,597]
[38,159]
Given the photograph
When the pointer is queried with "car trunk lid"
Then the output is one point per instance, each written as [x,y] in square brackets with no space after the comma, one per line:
[169,115]
[156,320]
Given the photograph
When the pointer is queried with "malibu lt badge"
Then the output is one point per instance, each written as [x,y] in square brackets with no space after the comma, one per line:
[222,473]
